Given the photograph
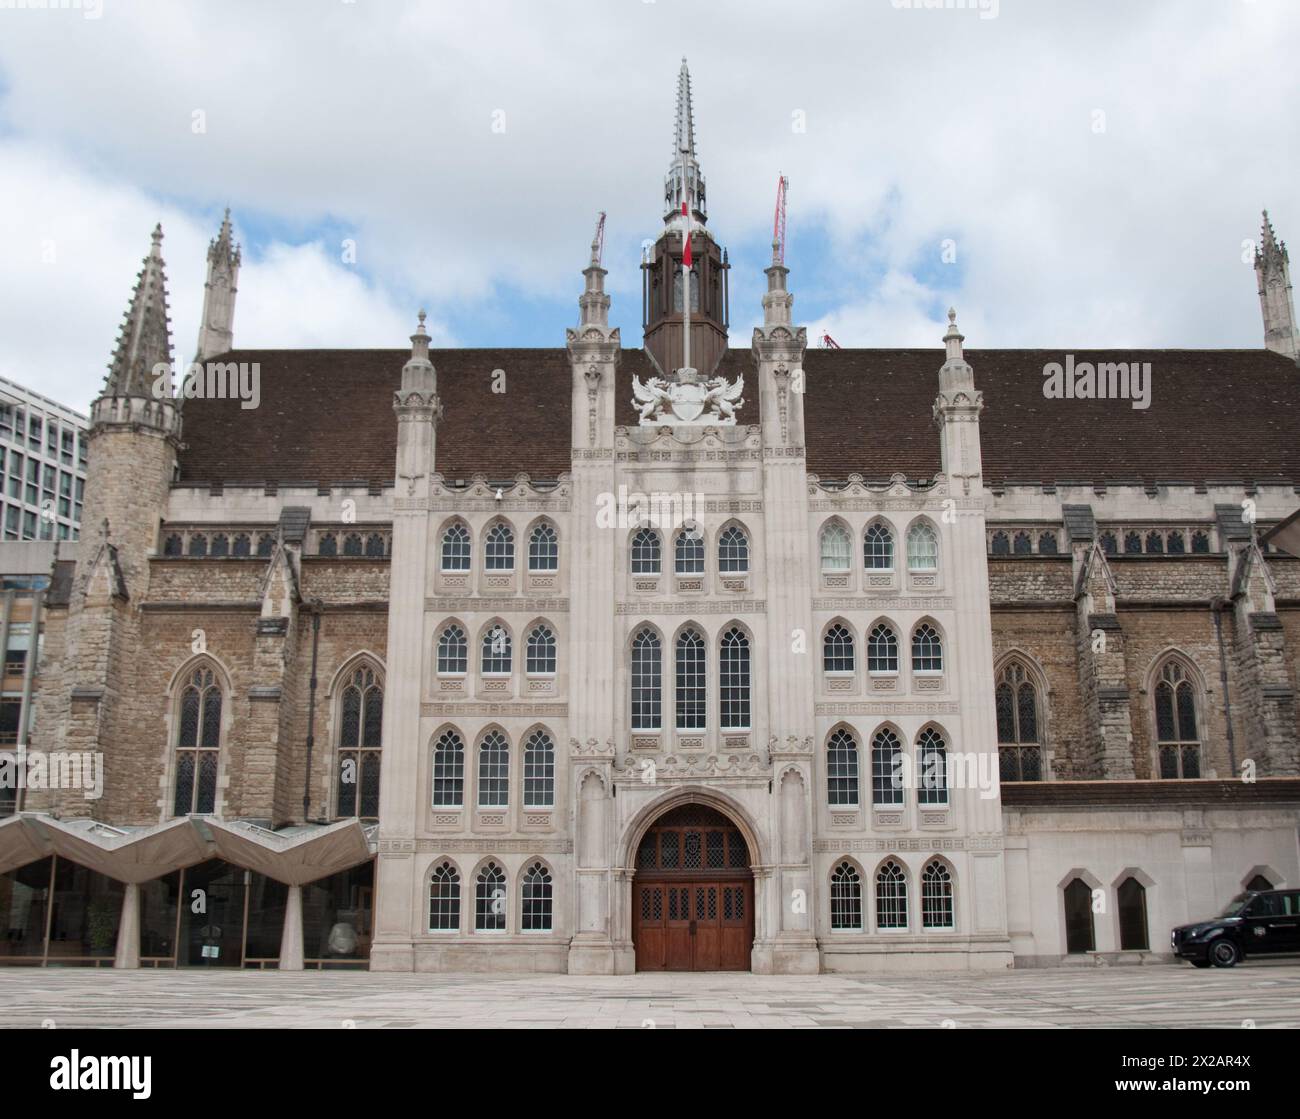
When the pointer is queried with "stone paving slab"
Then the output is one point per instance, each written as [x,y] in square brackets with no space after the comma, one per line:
[1265,994]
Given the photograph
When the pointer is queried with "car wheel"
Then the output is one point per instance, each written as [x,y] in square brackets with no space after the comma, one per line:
[1199,963]
[1224,953]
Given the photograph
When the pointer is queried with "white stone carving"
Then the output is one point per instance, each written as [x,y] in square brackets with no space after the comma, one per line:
[687,400]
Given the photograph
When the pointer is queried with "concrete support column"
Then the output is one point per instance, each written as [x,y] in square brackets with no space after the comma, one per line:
[128,929]
[291,952]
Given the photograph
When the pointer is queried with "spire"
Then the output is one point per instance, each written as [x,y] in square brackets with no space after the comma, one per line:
[684,180]
[217,328]
[145,339]
[1277,304]
[221,250]
[593,302]
[953,339]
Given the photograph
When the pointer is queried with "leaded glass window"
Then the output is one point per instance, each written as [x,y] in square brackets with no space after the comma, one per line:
[846,897]
[536,914]
[360,736]
[922,548]
[198,744]
[490,899]
[647,681]
[1177,737]
[444,899]
[500,548]
[734,680]
[456,548]
[842,770]
[882,650]
[540,657]
[689,552]
[645,552]
[878,547]
[1019,741]
[932,761]
[453,652]
[733,551]
[936,896]
[496,653]
[494,771]
[886,769]
[539,771]
[690,691]
[448,771]
[891,896]
[837,650]
[835,547]
[927,649]
[543,549]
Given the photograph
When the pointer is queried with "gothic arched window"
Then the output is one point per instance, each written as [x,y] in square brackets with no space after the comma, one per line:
[842,770]
[835,547]
[1019,732]
[645,552]
[932,762]
[453,652]
[455,548]
[353,544]
[690,691]
[878,547]
[1000,544]
[886,769]
[1155,543]
[444,898]
[448,770]
[543,549]
[1132,543]
[922,548]
[734,679]
[882,649]
[494,771]
[198,544]
[198,743]
[496,651]
[490,899]
[540,657]
[1177,738]
[1108,543]
[1047,544]
[242,545]
[376,546]
[173,545]
[220,545]
[265,544]
[733,551]
[891,896]
[689,551]
[536,915]
[647,681]
[936,896]
[846,897]
[500,548]
[1200,543]
[361,721]
[539,771]
[1023,544]
[927,649]
[1176,543]
[837,650]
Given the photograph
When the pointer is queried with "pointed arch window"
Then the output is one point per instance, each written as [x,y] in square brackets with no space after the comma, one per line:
[835,547]
[878,548]
[376,546]
[539,771]
[1200,543]
[444,898]
[265,544]
[543,549]
[846,897]
[932,759]
[242,545]
[1177,737]
[927,649]
[842,770]
[220,545]
[891,896]
[173,545]
[490,899]
[540,658]
[1109,545]
[936,896]
[690,692]
[1023,544]
[353,545]
[1047,545]
[497,650]
[1176,542]
[886,769]
[734,679]
[537,912]
[922,548]
[689,552]
[198,744]
[647,682]
[198,544]
[500,548]
[453,652]
[456,548]
[645,552]
[1020,755]
[882,650]
[733,551]
[837,650]
[361,713]
[494,771]
[1000,544]
[449,771]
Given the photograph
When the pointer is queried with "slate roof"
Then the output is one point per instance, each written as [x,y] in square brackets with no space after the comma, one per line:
[326,416]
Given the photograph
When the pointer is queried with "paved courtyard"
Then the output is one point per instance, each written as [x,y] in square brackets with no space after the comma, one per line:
[1266,994]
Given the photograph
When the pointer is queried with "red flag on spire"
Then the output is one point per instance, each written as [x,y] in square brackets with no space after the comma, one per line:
[686,238]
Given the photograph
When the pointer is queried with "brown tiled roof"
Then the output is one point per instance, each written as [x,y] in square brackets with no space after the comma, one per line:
[326,416]
[1149,794]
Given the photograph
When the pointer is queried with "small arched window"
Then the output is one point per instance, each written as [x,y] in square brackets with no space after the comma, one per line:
[540,656]
[198,544]
[691,681]
[647,682]
[220,545]
[734,679]
[198,744]
[891,896]
[242,545]
[500,548]
[922,548]
[494,771]
[376,546]
[1132,543]
[1177,738]
[453,652]
[444,898]
[645,552]
[882,650]
[1176,543]
[837,650]
[1155,543]
[1108,543]
[353,545]
[1047,544]
[846,897]
[1000,544]
[878,547]
[543,549]
[536,914]
[1200,544]
[932,761]
[1019,741]
[936,896]
[842,770]
[265,544]
[835,547]
[448,771]
[490,899]
[539,771]
[1023,545]
[927,649]
[173,545]
[689,552]
[361,723]
[886,769]
[455,548]
[733,551]
[496,651]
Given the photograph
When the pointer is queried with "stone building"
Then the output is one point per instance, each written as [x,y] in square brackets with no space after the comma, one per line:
[599,658]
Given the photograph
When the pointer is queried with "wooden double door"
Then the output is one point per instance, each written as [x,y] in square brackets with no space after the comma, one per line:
[693,895]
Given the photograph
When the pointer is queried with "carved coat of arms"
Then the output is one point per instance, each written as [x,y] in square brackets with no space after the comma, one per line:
[687,399]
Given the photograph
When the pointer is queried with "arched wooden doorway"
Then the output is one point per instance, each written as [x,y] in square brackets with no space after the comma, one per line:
[693,894]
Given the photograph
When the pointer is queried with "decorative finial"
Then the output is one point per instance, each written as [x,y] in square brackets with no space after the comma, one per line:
[157,240]
[953,337]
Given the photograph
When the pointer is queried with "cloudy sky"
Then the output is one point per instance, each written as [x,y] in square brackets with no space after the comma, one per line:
[1097,166]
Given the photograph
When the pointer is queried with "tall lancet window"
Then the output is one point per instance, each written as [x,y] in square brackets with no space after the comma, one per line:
[360,734]
[198,743]
[677,289]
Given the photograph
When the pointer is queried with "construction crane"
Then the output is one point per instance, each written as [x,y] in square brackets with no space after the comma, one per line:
[829,343]
[598,241]
[778,221]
